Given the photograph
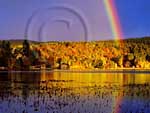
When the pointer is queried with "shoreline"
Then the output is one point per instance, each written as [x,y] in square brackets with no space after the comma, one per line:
[120,70]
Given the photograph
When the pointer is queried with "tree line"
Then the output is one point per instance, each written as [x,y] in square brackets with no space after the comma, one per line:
[130,53]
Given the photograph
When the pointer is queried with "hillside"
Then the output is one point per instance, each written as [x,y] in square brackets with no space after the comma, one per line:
[80,55]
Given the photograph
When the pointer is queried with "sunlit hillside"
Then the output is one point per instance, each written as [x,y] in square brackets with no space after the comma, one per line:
[131,53]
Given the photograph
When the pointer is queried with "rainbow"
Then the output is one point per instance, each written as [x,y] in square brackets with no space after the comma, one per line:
[114,20]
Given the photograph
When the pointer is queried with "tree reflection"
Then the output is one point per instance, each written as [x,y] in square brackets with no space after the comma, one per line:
[74,92]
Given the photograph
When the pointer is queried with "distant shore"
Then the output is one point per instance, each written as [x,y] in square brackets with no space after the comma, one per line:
[119,70]
[130,54]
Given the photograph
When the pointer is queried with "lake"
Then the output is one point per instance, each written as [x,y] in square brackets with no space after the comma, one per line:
[74,92]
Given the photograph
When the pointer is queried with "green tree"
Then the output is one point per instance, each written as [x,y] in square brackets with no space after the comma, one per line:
[130,56]
[148,58]
[26,55]
[117,60]
[26,48]
[98,63]
[6,54]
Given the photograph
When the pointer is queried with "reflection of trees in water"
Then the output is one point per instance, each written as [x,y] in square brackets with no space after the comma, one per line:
[55,92]
[134,78]
[21,83]
[5,84]
[28,81]
[94,99]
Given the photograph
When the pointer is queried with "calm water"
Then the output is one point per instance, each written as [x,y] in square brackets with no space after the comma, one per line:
[66,92]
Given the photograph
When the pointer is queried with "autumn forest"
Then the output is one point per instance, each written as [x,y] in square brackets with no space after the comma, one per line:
[29,55]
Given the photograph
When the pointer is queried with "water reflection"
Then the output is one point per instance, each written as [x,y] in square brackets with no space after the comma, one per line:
[64,92]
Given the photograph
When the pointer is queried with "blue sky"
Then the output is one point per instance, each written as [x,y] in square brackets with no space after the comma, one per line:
[135,17]
[71,20]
